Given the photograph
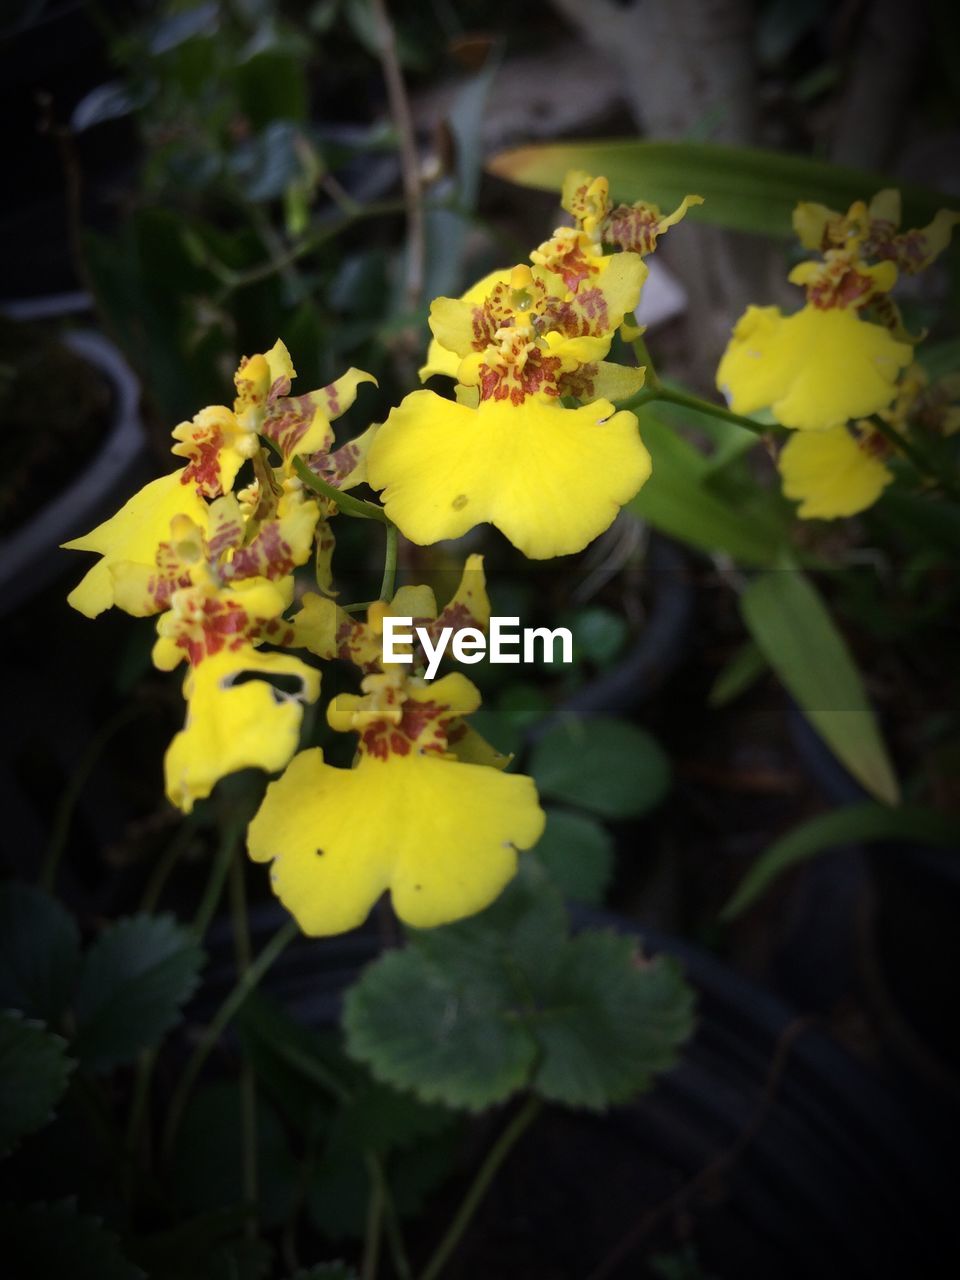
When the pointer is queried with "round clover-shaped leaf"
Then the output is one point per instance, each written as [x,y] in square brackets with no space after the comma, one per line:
[469,1013]
[608,767]
[39,952]
[613,1022]
[448,1037]
[33,1076]
[133,982]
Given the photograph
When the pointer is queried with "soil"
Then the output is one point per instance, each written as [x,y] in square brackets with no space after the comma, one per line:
[55,409]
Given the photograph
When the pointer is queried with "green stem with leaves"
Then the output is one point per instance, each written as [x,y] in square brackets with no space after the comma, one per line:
[517,1127]
[654,390]
[221,1020]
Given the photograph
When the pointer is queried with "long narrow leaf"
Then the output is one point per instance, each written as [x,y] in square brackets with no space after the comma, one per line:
[793,628]
[853,824]
[744,188]
[676,501]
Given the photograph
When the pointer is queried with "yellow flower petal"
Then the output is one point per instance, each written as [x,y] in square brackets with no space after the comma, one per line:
[830,474]
[442,357]
[814,369]
[234,726]
[132,534]
[440,835]
[549,478]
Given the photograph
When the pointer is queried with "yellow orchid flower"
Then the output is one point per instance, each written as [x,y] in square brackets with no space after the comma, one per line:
[833,473]
[814,369]
[330,632]
[231,726]
[551,479]
[506,451]
[873,231]
[218,552]
[218,440]
[132,535]
[441,835]
[829,363]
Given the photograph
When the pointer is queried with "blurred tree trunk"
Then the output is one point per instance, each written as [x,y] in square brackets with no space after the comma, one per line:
[687,69]
[890,43]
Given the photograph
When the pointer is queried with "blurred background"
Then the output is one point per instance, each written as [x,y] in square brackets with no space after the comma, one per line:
[189,181]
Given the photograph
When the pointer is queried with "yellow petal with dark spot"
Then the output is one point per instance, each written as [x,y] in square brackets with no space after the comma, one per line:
[440,835]
[549,478]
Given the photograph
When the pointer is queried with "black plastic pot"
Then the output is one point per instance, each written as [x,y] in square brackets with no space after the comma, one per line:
[29,558]
[769,1150]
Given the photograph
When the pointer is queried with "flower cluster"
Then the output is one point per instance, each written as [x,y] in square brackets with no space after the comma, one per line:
[531,441]
[842,367]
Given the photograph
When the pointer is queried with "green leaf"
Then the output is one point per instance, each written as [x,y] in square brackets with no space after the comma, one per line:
[744,188]
[56,1241]
[133,982]
[469,1013]
[34,1068]
[678,500]
[796,634]
[606,766]
[853,824]
[578,854]
[612,1022]
[745,667]
[599,634]
[39,952]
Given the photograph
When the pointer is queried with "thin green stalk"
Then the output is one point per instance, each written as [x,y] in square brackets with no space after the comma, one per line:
[694,403]
[478,1188]
[374,1230]
[349,506]
[248,1084]
[223,860]
[915,455]
[165,865]
[653,389]
[213,890]
[651,381]
[389,563]
[74,789]
[391,1219]
[227,1011]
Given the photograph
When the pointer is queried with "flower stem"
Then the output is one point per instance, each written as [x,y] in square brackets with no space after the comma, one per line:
[248,1085]
[74,789]
[697,405]
[374,1229]
[227,1011]
[654,389]
[389,563]
[914,455]
[478,1188]
[349,506]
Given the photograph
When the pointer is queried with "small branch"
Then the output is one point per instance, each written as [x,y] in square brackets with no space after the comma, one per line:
[914,455]
[409,157]
[349,506]
[389,563]
[478,1188]
[227,1011]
